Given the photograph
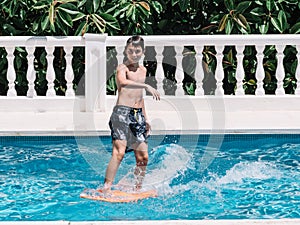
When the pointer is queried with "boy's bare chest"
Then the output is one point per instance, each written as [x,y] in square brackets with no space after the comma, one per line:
[136,76]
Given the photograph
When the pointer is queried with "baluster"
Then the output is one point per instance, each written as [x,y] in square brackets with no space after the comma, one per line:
[260,73]
[240,70]
[159,74]
[30,72]
[69,71]
[297,91]
[50,76]
[280,74]
[11,73]
[120,55]
[199,72]
[219,71]
[179,75]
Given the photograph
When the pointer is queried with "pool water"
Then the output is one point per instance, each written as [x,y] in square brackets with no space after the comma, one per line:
[197,177]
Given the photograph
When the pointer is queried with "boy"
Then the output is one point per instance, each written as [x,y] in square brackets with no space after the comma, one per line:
[128,123]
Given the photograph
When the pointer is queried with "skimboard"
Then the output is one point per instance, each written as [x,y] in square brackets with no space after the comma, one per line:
[117,195]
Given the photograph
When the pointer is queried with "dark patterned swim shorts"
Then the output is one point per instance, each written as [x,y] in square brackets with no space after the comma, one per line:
[128,124]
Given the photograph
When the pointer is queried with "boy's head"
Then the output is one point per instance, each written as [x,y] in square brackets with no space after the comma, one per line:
[136,41]
[134,49]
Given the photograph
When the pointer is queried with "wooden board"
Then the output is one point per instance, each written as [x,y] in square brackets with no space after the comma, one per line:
[117,195]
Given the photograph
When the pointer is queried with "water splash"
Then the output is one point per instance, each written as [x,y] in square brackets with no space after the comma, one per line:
[250,170]
[167,163]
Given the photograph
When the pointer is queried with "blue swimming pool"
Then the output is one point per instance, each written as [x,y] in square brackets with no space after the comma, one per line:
[239,176]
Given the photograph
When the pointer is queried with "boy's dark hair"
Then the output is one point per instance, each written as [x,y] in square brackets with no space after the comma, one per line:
[136,40]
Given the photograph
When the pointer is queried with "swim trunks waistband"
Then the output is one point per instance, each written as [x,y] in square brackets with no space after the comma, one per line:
[126,108]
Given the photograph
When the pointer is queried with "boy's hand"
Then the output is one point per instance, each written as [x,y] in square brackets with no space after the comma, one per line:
[153,92]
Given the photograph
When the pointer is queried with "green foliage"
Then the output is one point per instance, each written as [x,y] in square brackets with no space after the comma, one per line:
[147,17]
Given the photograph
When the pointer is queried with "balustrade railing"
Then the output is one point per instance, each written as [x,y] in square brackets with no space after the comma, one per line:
[96,55]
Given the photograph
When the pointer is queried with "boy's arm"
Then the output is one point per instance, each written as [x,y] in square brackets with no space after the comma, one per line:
[122,81]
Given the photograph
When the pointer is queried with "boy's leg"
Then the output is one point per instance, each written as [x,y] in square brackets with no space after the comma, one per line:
[119,147]
[141,157]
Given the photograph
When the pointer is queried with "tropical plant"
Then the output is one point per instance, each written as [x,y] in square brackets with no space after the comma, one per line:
[145,17]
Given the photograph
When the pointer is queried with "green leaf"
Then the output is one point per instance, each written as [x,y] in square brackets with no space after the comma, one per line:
[243,6]
[65,18]
[44,22]
[282,20]
[251,82]
[157,6]
[147,28]
[241,20]
[69,8]
[60,26]
[141,11]
[79,16]
[270,4]
[89,6]
[124,9]
[51,15]
[258,11]
[133,14]
[99,22]
[276,24]
[183,5]
[296,28]
[81,30]
[66,1]
[229,27]
[174,2]
[229,4]
[41,5]
[223,22]
[259,2]
[264,28]
[231,77]
[81,3]
[110,21]
[96,4]
[10,29]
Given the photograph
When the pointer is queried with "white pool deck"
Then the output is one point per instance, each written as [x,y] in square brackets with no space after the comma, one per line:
[164,222]
[209,114]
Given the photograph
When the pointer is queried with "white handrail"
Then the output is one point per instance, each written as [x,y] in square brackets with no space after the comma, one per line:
[95,61]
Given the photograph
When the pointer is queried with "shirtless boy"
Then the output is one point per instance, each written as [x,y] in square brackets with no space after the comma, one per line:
[129,123]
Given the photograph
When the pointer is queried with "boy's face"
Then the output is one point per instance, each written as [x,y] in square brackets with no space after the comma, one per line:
[134,53]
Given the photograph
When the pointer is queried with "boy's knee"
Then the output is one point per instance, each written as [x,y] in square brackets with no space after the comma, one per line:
[120,156]
[142,160]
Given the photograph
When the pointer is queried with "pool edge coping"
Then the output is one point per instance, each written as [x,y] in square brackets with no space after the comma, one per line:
[154,132]
[164,222]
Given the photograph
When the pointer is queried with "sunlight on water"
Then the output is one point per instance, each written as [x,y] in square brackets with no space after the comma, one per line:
[244,179]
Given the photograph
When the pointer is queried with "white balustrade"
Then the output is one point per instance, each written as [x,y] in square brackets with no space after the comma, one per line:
[69,72]
[95,62]
[95,72]
[159,75]
[219,71]
[199,72]
[260,72]
[11,73]
[297,91]
[120,54]
[179,74]
[280,74]
[50,76]
[30,71]
[240,74]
